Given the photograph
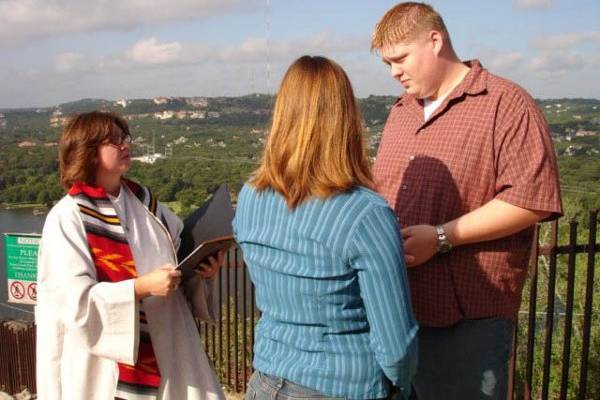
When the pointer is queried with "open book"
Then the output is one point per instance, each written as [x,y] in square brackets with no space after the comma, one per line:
[206,231]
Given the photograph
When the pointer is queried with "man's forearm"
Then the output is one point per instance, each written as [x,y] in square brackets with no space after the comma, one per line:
[494,220]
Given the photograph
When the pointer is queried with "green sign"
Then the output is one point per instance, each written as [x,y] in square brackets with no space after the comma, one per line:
[21,252]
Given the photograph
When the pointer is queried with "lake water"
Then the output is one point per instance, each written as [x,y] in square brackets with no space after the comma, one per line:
[16,221]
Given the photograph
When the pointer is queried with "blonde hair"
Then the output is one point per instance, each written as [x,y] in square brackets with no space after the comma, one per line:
[404,23]
[315,146]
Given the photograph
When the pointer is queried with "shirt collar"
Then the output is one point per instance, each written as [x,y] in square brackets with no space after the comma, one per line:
[474,83]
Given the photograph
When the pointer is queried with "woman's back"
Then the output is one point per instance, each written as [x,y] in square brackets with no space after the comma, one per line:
[331,284]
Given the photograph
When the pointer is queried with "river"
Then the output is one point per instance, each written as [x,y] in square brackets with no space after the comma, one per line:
[16,221]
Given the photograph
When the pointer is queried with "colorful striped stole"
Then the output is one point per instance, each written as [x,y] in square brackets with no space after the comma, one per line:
[114,263]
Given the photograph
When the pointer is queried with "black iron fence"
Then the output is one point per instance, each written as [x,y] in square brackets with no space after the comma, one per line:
[557,341]
[557,337]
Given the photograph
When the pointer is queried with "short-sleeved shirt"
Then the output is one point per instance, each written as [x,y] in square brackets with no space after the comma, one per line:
[487,140]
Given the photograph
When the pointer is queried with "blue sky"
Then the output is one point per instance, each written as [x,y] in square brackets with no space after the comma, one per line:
[53,51]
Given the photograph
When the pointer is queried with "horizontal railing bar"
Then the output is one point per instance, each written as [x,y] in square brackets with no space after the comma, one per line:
[545,249]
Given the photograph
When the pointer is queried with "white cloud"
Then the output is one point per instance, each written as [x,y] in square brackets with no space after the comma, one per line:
[179,68]
[150,51]
[26,20]
[67,62]
[533,4]
[251,50]
[567,40]
[553,64]
[504,61]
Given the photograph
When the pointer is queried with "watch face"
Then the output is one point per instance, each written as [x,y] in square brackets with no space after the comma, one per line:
[443,244]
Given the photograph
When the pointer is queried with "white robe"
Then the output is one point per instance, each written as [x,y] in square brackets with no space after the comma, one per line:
[84,327]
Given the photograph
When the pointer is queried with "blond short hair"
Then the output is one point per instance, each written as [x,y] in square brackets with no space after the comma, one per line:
[316,145]
[404,23]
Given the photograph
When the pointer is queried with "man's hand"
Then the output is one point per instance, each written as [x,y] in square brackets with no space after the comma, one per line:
[420,244]
[209,269]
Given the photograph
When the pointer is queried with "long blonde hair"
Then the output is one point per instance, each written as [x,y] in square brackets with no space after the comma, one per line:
[316,145]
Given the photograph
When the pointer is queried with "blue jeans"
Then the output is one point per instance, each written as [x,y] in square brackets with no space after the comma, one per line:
[465,361]
[267,387]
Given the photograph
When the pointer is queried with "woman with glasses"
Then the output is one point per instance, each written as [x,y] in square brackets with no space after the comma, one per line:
[323,251]
[111,319]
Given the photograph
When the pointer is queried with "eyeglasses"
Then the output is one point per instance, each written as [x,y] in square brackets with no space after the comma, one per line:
[118,139]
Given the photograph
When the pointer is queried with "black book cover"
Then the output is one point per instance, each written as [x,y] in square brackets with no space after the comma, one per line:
[206,231]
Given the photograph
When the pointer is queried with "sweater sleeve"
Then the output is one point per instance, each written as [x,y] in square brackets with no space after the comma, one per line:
[101,315]
[375,251]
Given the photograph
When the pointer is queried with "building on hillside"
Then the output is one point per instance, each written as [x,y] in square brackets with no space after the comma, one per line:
[161,100]
[582,133]
[57,121]
[164,115]
[123,103]
[197,115]
[200,102]
[148,158]
[26,143]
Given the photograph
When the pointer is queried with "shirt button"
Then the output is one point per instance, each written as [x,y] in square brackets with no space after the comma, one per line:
[404,187]
[411,158]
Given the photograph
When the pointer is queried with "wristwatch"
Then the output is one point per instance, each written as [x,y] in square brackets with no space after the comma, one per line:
[443,244]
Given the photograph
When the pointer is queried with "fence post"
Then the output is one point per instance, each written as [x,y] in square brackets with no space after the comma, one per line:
[569,312]
[587,318]
[550,310]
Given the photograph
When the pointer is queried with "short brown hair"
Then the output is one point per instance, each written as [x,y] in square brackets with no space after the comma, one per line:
[78,145]
[405,22]
[315,146]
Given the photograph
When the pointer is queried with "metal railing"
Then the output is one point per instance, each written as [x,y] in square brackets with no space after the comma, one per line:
[17,356]
[551,357]
[556,354]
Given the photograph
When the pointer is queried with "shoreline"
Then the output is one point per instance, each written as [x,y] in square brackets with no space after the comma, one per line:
[18,206]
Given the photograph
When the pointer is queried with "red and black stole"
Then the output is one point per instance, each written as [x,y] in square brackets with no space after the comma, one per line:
[114,262]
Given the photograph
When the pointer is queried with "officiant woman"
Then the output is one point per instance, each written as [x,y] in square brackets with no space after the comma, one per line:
[324,252]
[112,321]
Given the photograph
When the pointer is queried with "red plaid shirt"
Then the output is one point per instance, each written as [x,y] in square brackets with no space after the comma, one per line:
[487,140]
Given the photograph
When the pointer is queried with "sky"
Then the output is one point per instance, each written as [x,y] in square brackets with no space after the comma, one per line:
[55,51]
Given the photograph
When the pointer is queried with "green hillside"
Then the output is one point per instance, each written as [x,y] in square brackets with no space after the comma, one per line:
[202,142]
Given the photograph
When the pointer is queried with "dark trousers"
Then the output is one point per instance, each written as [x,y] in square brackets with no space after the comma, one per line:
[466,361]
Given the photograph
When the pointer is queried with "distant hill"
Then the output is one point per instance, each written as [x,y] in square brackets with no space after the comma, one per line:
[565,116]
[197,143]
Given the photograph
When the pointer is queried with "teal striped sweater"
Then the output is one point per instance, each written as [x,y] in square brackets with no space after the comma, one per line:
[331,284]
